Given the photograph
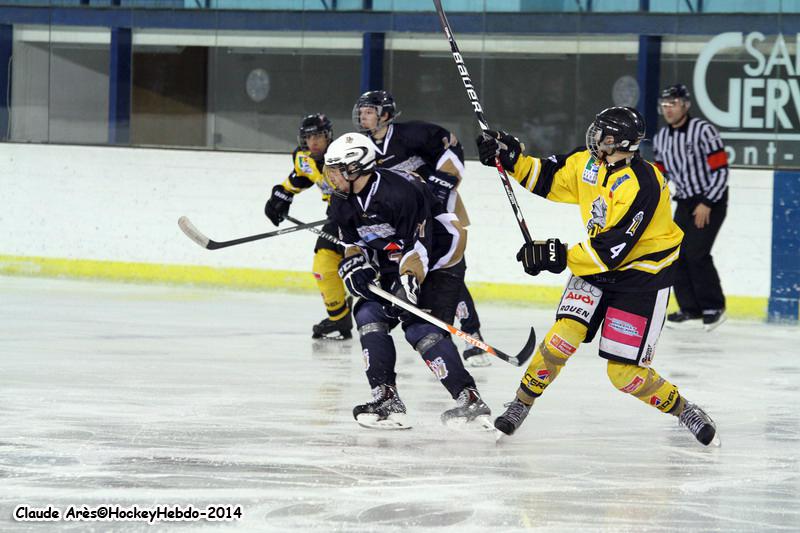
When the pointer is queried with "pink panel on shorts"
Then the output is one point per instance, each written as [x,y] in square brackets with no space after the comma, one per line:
[623,327]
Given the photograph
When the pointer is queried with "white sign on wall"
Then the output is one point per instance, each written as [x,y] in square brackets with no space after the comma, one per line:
[760,117]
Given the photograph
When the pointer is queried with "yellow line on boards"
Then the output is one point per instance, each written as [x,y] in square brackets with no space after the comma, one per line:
[252,278]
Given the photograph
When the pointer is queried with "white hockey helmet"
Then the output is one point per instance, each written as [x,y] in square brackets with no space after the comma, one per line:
[353,155]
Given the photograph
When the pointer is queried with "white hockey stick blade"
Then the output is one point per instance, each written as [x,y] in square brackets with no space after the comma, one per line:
[192,232]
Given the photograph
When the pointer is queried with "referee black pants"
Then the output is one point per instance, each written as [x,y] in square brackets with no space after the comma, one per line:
[697,287]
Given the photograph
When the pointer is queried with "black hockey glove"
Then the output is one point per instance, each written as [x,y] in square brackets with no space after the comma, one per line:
[500,144]
[357,273]
[278,204]
[441,185]
[550,255]
[406,287]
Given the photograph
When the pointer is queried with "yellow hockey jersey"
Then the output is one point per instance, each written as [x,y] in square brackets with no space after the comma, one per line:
[633,243]
[307,171]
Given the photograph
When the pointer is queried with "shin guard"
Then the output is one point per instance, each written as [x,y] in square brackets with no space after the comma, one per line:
[441,356]
[377,346]
[647,385]
[557,346]
[331,287]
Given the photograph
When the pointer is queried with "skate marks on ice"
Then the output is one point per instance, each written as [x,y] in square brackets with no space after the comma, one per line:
[143,394]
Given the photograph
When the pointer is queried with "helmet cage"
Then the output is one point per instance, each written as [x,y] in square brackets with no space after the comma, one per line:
[311,125]
[382,102]
[603,127]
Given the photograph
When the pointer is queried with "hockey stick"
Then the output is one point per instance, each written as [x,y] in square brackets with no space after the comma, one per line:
[193,233]
[517,360]
[472,94]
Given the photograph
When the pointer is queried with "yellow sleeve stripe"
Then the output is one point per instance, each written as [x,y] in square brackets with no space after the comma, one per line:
[651,265]
[587,246]
[534,174]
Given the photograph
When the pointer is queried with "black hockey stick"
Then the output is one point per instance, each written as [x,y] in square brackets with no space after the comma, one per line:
[472,94]
[516,360]
[193,233]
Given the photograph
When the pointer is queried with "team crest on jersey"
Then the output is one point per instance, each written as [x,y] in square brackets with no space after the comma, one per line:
[376,231]
[598,220]
[305,164]
[591,170]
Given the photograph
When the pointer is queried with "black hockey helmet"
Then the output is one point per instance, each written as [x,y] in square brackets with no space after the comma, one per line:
[624,124]
[313,124]
[671,94]
[382,102]
[678,90]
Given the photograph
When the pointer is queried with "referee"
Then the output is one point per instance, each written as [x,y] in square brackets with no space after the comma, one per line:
[689,151]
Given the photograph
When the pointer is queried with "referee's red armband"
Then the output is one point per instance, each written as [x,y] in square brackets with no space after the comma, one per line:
[717,160]
[660,166]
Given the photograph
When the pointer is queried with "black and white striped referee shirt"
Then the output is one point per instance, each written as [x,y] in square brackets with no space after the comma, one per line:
[693,158]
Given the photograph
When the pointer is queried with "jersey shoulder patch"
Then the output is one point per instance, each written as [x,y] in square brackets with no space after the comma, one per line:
[304,163]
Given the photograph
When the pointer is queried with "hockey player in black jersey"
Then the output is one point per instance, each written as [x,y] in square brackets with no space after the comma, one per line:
[434,154]
[398,236]
[314,136]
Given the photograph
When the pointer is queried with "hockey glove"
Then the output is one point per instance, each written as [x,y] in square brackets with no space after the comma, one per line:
[278,204]
[441,185]
[406,288]
[550,255]
[500,144]
[357,273]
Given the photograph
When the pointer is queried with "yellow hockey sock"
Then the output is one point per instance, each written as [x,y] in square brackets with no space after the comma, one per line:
[326,272]
[558,345]
[647,385]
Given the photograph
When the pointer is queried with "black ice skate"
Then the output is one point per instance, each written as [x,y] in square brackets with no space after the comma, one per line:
[683,320]
[385,411]
[700,424]
[335,329]
[512,419]
[470,411]
[474,356]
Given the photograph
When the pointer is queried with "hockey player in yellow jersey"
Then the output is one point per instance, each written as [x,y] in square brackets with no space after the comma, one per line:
[315,134]
[620,275]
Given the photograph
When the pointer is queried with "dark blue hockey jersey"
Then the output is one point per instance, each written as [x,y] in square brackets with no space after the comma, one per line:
[419,147]
[399,225]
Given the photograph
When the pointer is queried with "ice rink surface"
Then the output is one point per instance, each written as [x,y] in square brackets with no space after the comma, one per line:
[136,394]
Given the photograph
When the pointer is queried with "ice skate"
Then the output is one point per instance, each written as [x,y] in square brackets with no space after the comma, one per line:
[713,318]
[700,424]
[471,411]
[474,356]
[512,419]
[683,320]
[385,411]
[335,329]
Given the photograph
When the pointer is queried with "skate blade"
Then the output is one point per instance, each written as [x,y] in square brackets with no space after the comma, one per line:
[695,324]
[395,421]
[715,442]
[711,327]
[479,423]
[477,361]
[339,337]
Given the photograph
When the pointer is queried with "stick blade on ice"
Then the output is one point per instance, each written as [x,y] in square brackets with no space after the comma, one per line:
[192,232]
